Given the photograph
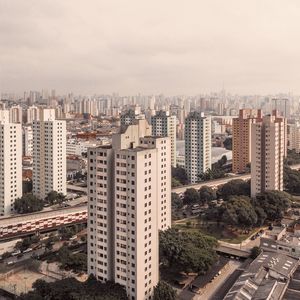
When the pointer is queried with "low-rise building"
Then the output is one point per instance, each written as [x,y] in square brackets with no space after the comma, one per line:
[267,277]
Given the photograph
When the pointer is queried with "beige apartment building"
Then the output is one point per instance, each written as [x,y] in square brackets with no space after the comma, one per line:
[49,154]
[129,189]
[268,146]
[197,135]
[10,163]
[241,138]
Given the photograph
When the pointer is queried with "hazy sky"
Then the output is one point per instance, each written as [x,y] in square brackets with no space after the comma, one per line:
[150,46]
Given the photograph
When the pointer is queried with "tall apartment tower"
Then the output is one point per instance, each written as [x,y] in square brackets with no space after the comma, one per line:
[49,154]
[32,114]
[241,138]
[129,188]
[15,114]
[10,163]
[197,135]
[27,138]
[165,125]
[293,137]
[267,154]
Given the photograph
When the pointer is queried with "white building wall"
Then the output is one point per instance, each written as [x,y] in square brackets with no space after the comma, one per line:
[10,163]
[129,186]
[49,155]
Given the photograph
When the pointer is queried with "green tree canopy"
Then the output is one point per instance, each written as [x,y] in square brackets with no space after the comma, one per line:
[179,174]
[176,201]
[163,291]
[191,196]
[207,194]
[238,211]
[274,203]
[187,251]
[235,187]
[291,180]
[72,289]
[28,203]
[228,143]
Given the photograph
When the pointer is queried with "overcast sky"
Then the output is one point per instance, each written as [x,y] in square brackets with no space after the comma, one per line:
[150,46]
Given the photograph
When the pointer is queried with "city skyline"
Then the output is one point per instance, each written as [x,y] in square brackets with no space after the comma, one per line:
[150,48]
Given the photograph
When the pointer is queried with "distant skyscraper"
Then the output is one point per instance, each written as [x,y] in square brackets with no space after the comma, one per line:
[32,114]
[10,163]
[197,145]
[15,114]
[49,154]
[241,138]
[165,125]
[267,154]
[129,189]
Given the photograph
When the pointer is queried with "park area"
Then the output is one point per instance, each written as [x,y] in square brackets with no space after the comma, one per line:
[222,232]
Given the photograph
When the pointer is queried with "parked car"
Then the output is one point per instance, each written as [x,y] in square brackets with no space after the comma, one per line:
[15,253]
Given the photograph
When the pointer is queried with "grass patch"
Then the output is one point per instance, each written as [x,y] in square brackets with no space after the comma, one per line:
[221,232]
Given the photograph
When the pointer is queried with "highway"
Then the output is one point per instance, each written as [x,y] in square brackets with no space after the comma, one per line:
[217,182]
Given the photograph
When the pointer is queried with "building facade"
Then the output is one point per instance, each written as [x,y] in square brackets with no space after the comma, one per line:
[27,136]
[293,137]
[165,125]
[197,145]
[49,154]
[241,138]
[10,163]
[267,154]
[129,189]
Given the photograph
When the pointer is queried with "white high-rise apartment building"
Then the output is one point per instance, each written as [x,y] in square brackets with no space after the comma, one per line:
[15,114]
[49,154]
[129,189]
[267,154]
[165,125]
[32,114]
[10,163]
[197,145]
[27,140]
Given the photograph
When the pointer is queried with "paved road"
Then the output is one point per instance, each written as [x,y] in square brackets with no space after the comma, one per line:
[214,183]
[209,291]
[25,256]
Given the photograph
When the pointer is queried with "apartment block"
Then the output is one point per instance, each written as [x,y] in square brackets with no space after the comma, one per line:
[267,154]
[293,137]
[165,125]
[10,163]
[197,145]
[241,138]
[129,189]
[49,154]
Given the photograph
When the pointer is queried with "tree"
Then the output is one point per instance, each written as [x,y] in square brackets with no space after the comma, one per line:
[28,204]
[176,201]
[55,198]
[274,203]
[191,196]
[235,187]
[217,170]
[72,289]
[228,143]
[179,174]
[27,186]
[187,251]
[207,194]
[175,182]
[163,291]
[238,211]
[291,180]
[255,251]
